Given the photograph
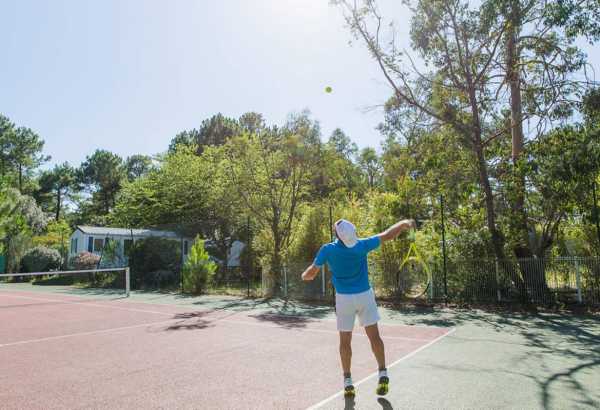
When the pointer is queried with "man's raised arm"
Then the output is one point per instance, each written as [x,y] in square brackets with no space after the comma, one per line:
[393,231]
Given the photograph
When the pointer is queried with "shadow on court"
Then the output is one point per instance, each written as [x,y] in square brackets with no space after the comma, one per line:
[507,359]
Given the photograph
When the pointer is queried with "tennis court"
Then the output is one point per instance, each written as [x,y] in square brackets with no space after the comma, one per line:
[82,348]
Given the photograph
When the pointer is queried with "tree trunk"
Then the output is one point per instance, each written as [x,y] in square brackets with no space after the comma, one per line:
[533,273]
[484,181]
[519,220]
[276,265]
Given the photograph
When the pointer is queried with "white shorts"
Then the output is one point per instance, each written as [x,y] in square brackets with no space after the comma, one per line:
[348,306]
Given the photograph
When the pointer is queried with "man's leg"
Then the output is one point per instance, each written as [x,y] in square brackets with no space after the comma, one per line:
[379,352]
[346,352]
[376,345]
[346,356]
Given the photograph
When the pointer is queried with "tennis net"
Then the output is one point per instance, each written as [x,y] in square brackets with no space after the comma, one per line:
[100,280]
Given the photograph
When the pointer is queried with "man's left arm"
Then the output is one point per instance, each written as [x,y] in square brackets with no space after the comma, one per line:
[313,270]
[310,273]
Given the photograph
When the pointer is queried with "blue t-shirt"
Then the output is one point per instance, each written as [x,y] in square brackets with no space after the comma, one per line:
[349,268]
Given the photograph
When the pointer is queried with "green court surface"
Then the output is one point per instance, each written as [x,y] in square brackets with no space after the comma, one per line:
[486,361]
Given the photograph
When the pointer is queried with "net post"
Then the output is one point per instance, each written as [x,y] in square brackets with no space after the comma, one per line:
[127,281]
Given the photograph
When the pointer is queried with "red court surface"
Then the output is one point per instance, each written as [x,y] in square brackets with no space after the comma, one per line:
[66,352]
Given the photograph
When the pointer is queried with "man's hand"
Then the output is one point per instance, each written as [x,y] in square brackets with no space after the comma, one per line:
[310,273]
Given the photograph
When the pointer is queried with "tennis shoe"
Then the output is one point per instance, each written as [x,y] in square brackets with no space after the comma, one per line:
[383,386]
[349,391]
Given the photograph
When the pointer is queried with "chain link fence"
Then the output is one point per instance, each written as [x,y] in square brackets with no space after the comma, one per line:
[538,281]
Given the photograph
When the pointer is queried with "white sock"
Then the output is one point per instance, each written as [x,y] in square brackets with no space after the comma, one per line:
[347,381]
[383,373]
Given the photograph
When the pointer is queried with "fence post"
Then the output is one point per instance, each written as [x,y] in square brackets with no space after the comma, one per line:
[431,291]
[498,293]
[127,281]
[578,279]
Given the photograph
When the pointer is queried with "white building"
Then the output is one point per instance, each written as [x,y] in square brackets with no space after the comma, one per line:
[93,238]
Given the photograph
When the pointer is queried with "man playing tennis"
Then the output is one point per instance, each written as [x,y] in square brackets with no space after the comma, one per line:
[347,260]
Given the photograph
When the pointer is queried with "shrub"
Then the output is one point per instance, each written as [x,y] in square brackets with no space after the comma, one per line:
[84,261]
[152,255]
[198,270]
[41,259]
[160,278]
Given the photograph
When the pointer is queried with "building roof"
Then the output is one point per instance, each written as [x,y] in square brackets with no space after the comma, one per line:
[105,231]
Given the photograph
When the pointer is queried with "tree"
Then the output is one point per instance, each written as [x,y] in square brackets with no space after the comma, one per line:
[22,219]
[455,93]
[252,122]
[272,173]
[342,144]
[174,194]
[57,186]
[198,270]
[25,153]
[102,174]
[538,62]
[8,216]
[56,236]
[213,132]
[137,166]
[7,130]
[184,138]
[370,165]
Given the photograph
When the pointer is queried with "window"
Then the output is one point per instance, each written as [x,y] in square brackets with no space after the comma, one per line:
[98,244]
[74,245]
[91,244]
[127,245]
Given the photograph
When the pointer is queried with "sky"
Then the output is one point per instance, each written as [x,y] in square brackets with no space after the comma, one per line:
[128,75]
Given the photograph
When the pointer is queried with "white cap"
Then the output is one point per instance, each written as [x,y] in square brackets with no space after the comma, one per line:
[346,231]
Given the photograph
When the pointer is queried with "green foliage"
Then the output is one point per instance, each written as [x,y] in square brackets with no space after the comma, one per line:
[151,258]
[20,219]
[103,174]
[137,166]
[198,270]
[20,155]
[370,164]
[187,191]
[57,186]
[271,173]
[216,131]
[41,259]
[311,232]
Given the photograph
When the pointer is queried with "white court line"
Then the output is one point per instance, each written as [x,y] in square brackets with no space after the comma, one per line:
[58,301]
[67,302]
[179,306]
[93,332]
[239,322]
[116,329]
[372,375]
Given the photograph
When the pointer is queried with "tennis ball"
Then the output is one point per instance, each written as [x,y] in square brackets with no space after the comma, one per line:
[328,89]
